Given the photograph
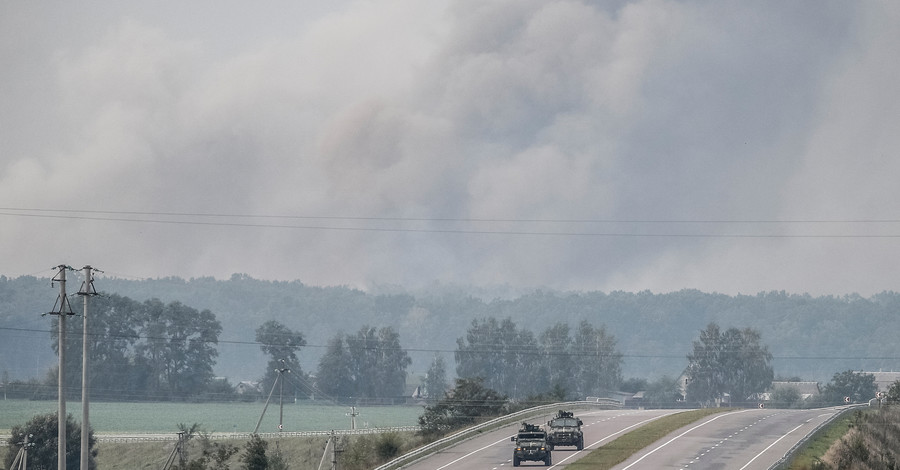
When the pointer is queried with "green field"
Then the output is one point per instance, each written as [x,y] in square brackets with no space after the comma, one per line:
[164,417]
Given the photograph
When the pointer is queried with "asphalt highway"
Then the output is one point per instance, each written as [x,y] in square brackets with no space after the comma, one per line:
[752,439]
[493,450]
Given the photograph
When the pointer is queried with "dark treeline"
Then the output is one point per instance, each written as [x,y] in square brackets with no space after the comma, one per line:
[514,361]
[139,351]
[808,337]
[370,363]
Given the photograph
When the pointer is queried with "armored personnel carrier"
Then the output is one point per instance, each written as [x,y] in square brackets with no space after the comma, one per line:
[565,430]
[531,444]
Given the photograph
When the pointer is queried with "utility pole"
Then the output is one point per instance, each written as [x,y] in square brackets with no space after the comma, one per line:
[334,457]
[21,460]
[281,395]
[277,379]
[353,414]
[332,450]
[65,309]
[178,451]
[87,291]
[329,445]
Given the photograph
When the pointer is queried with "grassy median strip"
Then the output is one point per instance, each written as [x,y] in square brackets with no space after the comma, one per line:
[609,455]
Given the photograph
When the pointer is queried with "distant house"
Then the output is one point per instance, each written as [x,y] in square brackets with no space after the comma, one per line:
[807,390]
[884,380]
[636,400]
[620,397]
[247,386]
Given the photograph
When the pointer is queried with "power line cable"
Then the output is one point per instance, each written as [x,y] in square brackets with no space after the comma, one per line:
[462,219]
[45,213]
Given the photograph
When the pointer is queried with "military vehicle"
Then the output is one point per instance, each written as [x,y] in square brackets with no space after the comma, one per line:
[531,444]
[565,430]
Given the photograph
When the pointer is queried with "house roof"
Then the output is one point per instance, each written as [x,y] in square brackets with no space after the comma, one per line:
[884,380]
[806,389]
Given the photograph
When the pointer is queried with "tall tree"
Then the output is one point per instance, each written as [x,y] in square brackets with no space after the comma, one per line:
[506,358]
[893,393]
[391,364]
[514,362]
[436,379]
[112,329]
[281,344]
[556,345]
[858,386]
[522,361]
[370,363]
[333,373]
[361,348]
[113,334]
[143,350]
[748,368]
[706,377]
[733,362]
[377,362]
[179,347]
[597,364]
[478,352]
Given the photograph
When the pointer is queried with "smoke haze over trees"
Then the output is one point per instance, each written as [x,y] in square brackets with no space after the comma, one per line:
[645,166]
[571,145]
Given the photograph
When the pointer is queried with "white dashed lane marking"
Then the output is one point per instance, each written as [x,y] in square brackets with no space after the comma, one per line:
[723,441]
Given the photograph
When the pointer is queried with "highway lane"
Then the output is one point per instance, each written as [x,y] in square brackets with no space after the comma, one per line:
[493,450]
[751,439]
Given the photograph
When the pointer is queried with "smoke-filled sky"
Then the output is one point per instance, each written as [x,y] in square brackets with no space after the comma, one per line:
[726,146]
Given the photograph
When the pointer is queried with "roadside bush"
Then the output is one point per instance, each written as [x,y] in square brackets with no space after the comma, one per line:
[872,444]
[371,450]
[42,432]
[469,402]
[388,445]
[254,456]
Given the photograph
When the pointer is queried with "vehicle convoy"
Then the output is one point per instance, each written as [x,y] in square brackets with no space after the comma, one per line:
[565,430]
[531,444]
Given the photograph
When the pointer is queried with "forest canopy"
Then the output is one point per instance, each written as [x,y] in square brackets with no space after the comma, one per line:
[808,337]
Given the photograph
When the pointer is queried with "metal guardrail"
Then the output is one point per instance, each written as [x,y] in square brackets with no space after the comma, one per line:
[468,433]
[789,455]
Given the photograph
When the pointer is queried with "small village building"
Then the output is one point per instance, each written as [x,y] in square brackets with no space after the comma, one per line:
[806,390]
[246,386]
[884,380]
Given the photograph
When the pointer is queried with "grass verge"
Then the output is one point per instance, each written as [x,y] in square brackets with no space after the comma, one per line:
[615,452]
[361,451]
[809,456]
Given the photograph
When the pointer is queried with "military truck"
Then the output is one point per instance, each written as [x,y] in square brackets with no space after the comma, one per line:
[565,430]
[531,444]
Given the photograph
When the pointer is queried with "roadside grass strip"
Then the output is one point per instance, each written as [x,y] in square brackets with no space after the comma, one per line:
[615,452]
[809,456]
